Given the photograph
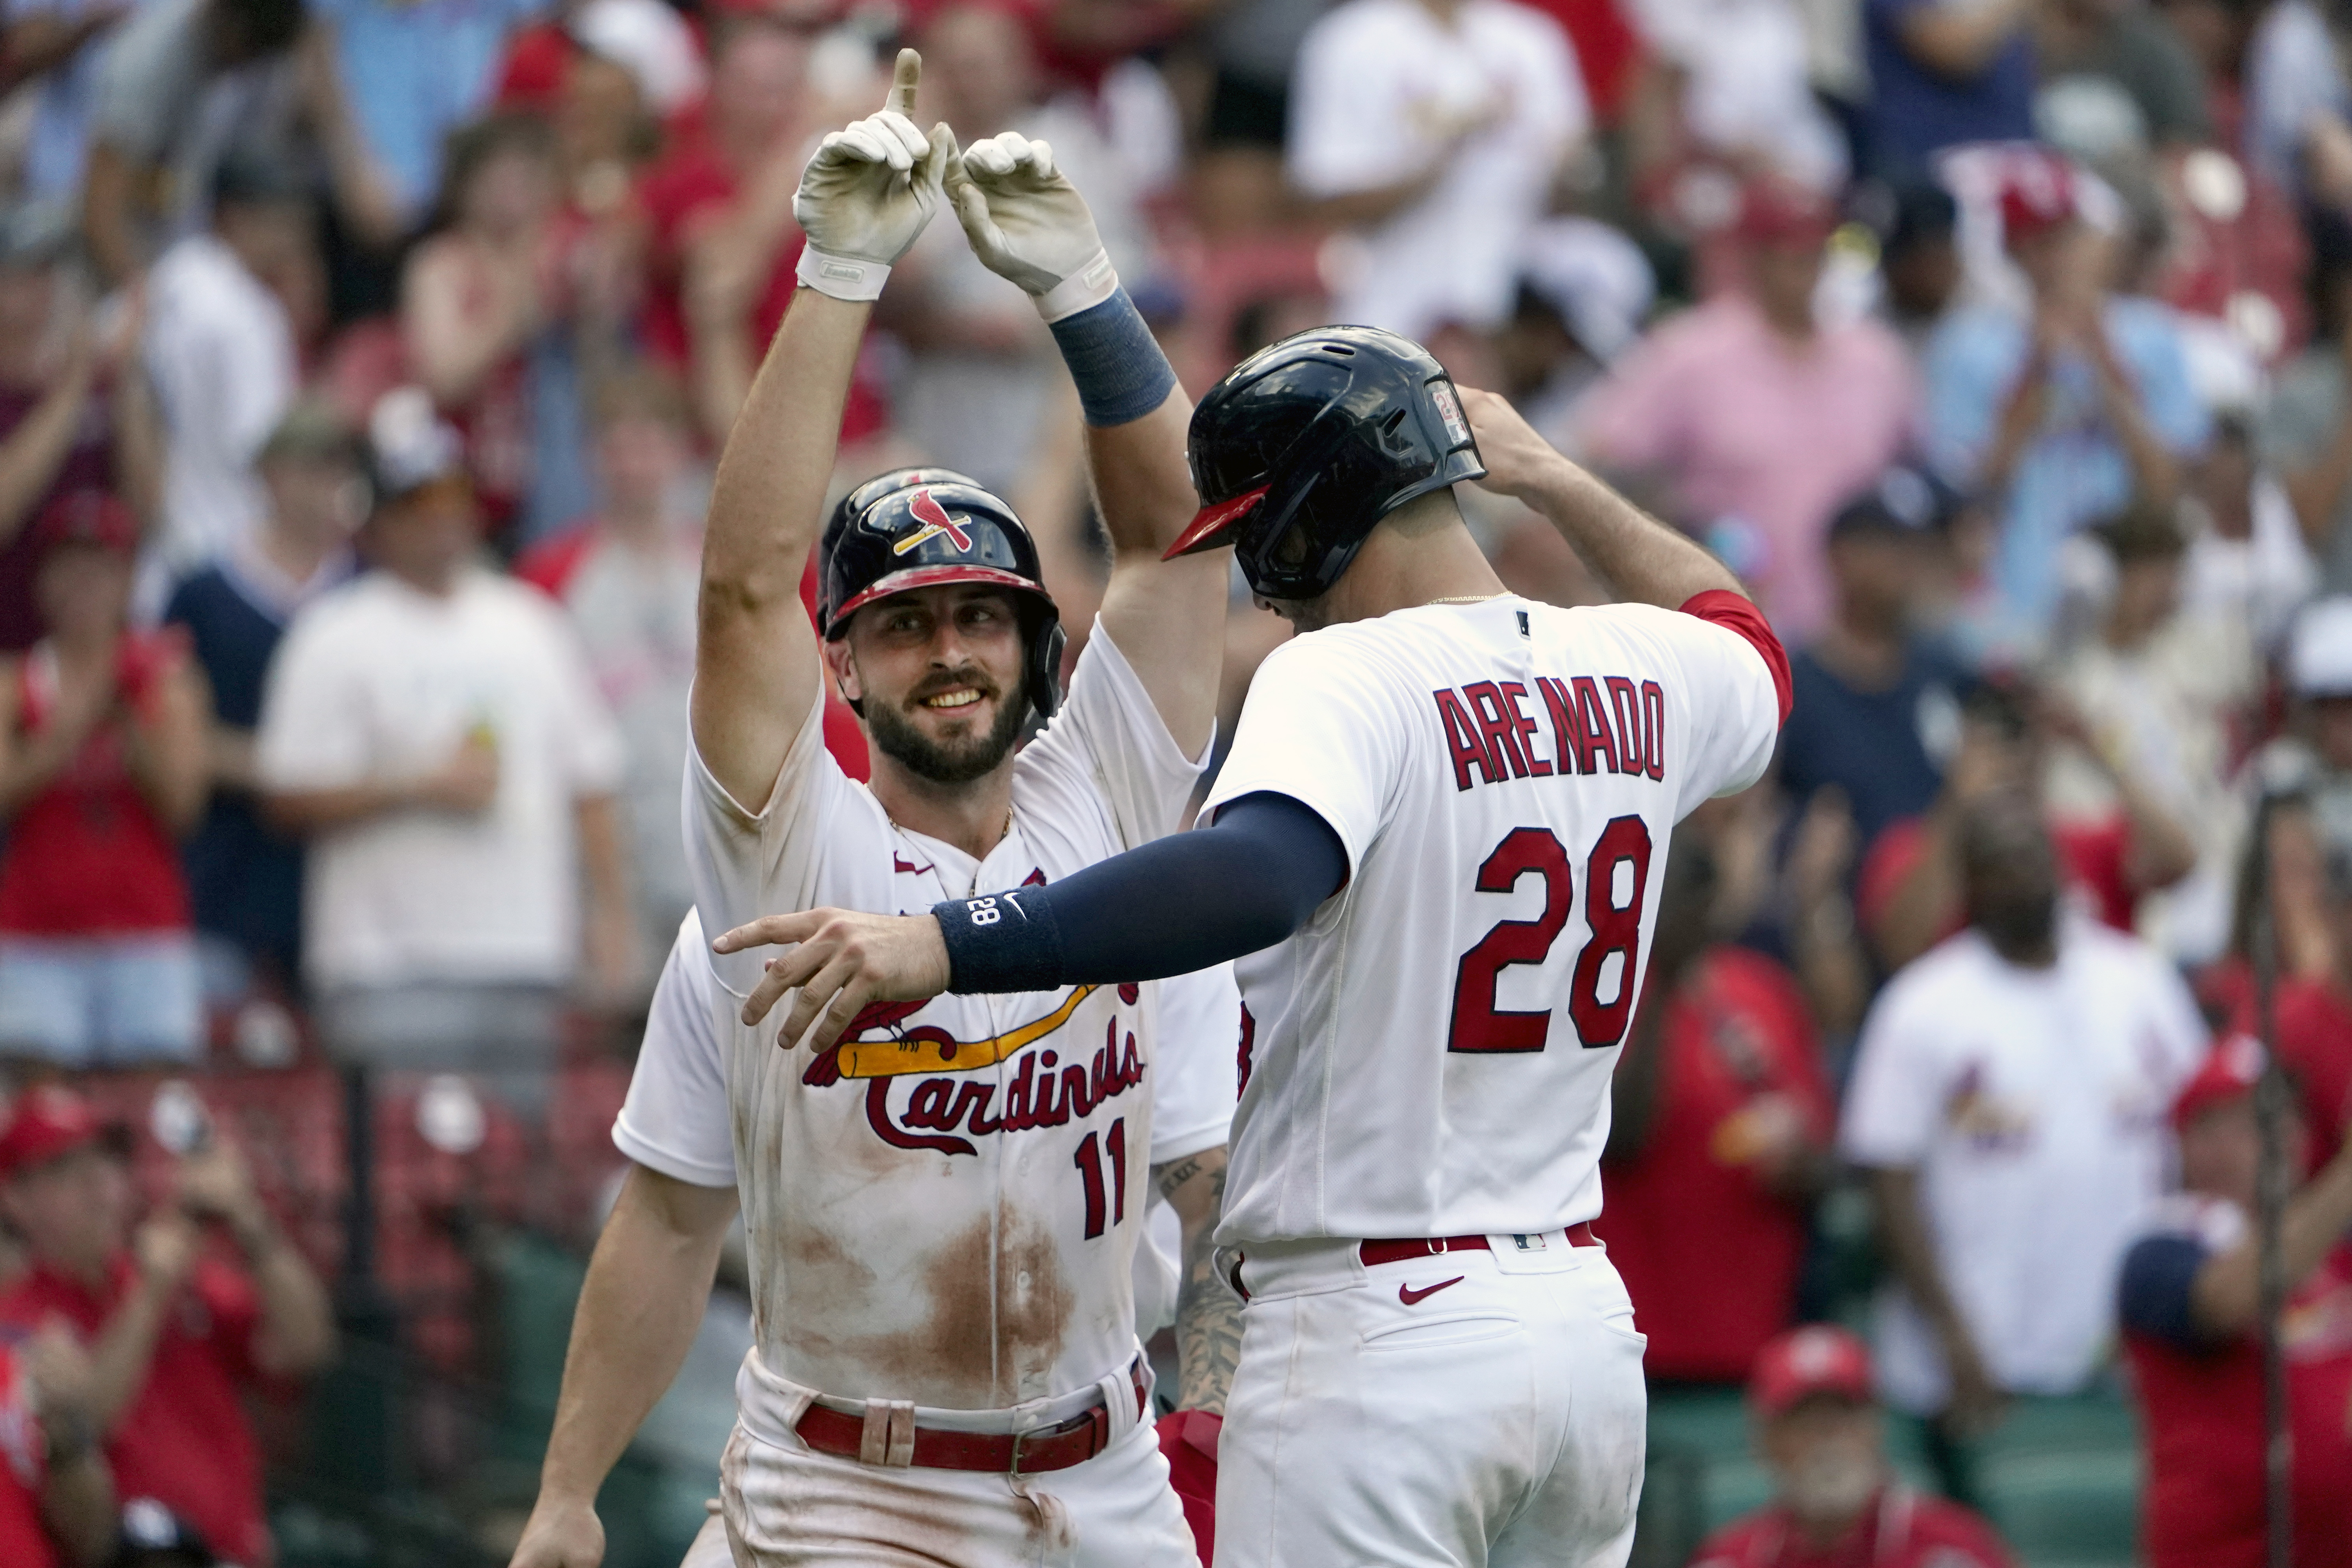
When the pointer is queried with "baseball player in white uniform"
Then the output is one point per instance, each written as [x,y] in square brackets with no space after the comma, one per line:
[1438,839]
[677,1123]
[940,1205]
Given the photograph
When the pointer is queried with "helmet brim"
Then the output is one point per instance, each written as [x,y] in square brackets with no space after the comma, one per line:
[1212,523]
[915,578]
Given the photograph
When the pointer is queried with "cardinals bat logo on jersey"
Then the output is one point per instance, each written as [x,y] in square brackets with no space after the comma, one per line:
[939,1107]
[936,521]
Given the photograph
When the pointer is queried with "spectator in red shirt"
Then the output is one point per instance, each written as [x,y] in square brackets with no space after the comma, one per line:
[177,1334]
[1837,1505]
[2189,1300]
[68,422]
[57,1502]
[102,769]
[720,207]
[1719,1132]
[2315,1017]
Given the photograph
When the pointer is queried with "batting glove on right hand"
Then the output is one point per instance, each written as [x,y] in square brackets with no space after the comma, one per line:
[868,192]
[1027,222]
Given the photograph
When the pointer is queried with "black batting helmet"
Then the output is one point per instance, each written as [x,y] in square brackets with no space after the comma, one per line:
[1305,446]
[921,528]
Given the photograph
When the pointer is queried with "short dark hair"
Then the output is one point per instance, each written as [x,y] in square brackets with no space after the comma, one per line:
[2143,530]
[264,26]
[469,147]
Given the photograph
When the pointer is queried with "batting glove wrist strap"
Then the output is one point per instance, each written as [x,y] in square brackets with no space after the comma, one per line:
[842,276]
[1120,373]
[1001,942]
[1095,281]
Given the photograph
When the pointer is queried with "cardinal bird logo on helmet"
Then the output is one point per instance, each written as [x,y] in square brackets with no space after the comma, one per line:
[936,522]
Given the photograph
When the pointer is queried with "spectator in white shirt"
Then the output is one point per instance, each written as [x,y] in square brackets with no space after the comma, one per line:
[433,729]
[221,351]
[2008,1101]
[1435,130]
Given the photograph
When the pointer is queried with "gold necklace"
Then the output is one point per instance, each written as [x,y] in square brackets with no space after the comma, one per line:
[1464,599]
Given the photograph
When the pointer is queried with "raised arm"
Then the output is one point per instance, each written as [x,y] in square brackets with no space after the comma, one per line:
[864,198]
[1640,558]
[1028,224]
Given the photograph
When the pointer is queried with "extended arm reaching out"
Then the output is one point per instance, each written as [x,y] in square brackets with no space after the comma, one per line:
[1172,907]
[863,200]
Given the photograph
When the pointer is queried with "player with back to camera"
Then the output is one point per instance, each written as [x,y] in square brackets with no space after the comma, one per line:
[941,1209]
[1437,840]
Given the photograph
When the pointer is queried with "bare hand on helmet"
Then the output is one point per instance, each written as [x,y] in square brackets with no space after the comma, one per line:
[1027,222]
[870,191]
[1520,463]
[841,960]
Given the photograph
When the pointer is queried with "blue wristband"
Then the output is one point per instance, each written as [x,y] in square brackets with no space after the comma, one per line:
[1001,942]
[1120,373]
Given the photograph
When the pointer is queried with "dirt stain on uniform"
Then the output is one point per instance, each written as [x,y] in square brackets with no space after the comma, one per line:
[999,1309]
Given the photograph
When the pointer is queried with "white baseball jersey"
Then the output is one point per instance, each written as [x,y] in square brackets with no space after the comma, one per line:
[677,1120]
[942,1207]
[2001,1085]
[1432,1049]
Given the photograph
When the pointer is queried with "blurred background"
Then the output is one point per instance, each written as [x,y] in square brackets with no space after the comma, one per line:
[362,363]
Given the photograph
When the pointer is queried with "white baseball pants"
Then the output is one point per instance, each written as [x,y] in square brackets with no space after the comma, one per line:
[787,1506]
[1468,1410]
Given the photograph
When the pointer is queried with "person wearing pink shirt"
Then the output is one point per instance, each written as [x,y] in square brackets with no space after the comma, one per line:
[1757,419]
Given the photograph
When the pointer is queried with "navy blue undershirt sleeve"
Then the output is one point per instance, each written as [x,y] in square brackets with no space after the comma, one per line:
[2153,1294]
[1180,903]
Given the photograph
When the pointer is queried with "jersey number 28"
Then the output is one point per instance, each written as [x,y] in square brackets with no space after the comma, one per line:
[1478,1025]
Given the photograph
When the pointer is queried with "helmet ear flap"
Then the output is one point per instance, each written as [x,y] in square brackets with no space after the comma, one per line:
[1046,646]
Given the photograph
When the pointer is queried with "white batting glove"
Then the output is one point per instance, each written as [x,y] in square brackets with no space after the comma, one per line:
[1027,222]
[867,193]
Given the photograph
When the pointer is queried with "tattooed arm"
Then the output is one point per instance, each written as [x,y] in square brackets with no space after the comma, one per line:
[1208,1313]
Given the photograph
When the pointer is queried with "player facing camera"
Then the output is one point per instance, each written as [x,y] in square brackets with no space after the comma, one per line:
[939,632]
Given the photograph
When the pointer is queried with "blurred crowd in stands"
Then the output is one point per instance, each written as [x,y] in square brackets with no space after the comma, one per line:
[361,369]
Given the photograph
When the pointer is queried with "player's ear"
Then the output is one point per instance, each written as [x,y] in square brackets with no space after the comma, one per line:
[843,667]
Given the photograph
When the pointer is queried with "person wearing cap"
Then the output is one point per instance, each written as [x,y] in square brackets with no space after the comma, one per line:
[2006,1107]
[221,349]
[177,1334]
[433,733]
[70,420]
[245,881]
[101,772]
[2188,1296]
[1877,713]
[1584,291]
[2065,411]
[1837,1503]
[1750,409]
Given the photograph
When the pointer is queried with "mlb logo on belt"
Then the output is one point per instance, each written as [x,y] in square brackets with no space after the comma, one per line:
[936,522]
